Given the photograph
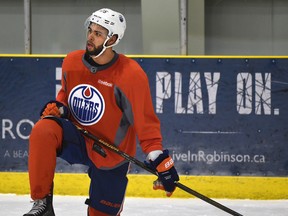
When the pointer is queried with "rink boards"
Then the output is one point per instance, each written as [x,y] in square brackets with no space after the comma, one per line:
[224,120]
[139,185]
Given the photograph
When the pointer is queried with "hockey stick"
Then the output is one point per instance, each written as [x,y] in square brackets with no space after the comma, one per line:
[142,165]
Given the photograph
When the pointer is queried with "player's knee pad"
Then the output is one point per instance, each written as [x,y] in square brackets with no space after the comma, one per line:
[45,126]
[46,131]
[106,194]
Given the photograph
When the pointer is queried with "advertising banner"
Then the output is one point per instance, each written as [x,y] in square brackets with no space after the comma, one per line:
[219,116]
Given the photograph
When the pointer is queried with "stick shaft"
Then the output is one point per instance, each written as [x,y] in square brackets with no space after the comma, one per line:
[206,199]
[142,165]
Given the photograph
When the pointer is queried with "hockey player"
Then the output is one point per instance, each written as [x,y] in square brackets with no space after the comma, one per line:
[108,94]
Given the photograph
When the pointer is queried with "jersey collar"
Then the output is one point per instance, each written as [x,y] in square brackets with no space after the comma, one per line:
[94,67]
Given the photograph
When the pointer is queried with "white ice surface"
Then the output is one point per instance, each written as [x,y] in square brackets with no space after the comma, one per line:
[15,205]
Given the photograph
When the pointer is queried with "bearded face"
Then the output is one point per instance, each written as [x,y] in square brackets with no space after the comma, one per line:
[92,50]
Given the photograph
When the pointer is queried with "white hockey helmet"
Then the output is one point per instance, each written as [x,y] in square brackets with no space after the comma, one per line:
[113,21]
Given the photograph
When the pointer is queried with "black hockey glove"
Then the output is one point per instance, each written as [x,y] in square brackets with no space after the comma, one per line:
[167,174]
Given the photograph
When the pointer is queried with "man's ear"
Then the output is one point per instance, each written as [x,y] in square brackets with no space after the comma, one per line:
[112,40]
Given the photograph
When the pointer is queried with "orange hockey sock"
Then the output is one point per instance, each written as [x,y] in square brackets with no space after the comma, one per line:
[45,140]
[94,212]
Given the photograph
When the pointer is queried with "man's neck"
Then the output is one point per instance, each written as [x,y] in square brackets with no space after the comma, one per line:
[105,58]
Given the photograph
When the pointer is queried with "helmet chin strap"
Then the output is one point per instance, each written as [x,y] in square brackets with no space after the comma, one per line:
[104,48]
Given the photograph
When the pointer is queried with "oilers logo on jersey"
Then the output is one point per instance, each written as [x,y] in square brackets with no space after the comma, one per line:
[86,104]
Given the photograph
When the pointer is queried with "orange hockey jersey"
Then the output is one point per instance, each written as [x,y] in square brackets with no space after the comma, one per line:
[111,101]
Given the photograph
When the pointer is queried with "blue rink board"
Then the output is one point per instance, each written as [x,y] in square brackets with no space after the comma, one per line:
[219,116]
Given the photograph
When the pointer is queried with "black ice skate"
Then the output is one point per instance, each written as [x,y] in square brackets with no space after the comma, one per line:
[42,207]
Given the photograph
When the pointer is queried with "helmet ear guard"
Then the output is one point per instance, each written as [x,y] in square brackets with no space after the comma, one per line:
[113,21]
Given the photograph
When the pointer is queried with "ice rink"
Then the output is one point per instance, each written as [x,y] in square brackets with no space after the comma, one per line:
[15,205]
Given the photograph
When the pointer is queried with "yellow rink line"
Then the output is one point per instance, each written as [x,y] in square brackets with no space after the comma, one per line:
[140,186]
[19,55]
